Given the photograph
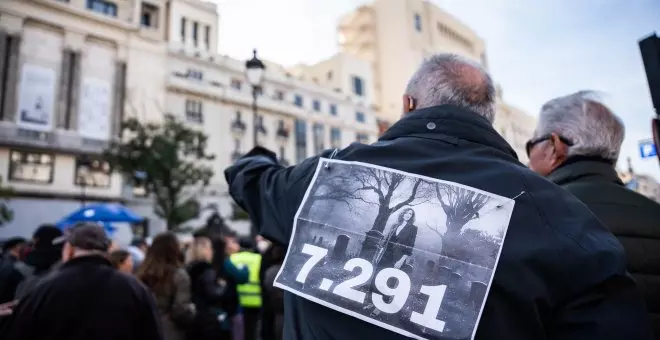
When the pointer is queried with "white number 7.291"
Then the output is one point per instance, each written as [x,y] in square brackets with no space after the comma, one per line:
[317,254]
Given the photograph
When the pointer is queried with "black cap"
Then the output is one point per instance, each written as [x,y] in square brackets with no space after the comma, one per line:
[11,243]
[86,236]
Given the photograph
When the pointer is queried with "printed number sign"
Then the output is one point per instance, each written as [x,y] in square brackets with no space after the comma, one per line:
[408,253]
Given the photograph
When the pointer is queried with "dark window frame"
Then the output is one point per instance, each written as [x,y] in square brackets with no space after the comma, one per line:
[298,100]
[184,22]
[360,117]
[333,109]
[77,180]
[12,166]
[316,105]
[358,85]
[194,111]
[104,7]
[418,22]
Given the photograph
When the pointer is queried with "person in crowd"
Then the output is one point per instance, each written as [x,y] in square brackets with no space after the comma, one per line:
[249,293]
[266,248]
[121,260]
[85,298]
[223,247]
[12,269]
[561,274]
[576,145]
[43,258]
[138,249]
[208,293]
[275,295]
[164,274]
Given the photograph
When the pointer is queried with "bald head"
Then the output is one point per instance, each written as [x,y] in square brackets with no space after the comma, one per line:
[451,79]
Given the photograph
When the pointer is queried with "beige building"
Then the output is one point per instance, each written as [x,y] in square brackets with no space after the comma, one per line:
[395,36]
[71,70]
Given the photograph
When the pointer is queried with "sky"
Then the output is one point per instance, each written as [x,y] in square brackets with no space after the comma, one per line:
[537,50]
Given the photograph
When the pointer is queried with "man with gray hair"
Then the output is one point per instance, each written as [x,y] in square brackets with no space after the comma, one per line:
[576,145]
[561,274]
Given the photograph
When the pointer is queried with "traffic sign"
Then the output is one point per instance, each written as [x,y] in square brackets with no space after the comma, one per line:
[647,148]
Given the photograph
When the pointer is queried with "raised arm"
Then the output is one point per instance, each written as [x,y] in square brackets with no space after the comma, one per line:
[268,192]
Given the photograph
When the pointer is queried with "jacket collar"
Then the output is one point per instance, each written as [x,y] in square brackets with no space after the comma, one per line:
[585,168]
[450,124]
[94,259]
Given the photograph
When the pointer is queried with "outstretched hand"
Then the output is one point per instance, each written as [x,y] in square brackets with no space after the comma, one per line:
[7,308]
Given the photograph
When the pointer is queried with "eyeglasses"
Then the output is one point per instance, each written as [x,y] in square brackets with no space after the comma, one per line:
[532,142]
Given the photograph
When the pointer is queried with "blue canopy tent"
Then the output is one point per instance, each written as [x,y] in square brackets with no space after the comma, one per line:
[104,214]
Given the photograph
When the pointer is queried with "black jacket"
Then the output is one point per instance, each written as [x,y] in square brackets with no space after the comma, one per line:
[85,299]
[210,299]
[633,219]
[561,274]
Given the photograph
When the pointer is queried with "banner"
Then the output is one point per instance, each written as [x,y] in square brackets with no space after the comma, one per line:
[411,254]
[95,109]
[36,99]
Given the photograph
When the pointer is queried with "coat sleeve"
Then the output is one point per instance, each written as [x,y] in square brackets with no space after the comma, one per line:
[608,308]
[213,292]
[268,192]
[150,323]
[238,275]
[183,310]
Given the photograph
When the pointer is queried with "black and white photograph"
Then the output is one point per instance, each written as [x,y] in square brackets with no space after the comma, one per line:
[412,254]
[36,97]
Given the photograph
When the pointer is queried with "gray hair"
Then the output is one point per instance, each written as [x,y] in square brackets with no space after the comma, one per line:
[580,117]
[452,79]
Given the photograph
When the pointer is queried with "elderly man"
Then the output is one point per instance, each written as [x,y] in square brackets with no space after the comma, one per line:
[576,145]
[560,274]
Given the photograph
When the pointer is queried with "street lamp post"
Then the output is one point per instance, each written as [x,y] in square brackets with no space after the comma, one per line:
[254,72]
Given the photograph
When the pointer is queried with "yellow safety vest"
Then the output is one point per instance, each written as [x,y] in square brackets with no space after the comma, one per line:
[249,294]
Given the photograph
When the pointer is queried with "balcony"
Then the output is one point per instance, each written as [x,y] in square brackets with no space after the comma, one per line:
[58,140]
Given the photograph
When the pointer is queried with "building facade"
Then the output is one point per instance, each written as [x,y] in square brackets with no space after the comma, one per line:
[395,36]
[72,70]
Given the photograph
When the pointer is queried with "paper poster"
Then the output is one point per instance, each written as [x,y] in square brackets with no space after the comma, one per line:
[411,254]
[95,109]
[36,99]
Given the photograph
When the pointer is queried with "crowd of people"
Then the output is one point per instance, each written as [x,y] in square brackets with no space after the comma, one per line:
[78,284]
[574,237]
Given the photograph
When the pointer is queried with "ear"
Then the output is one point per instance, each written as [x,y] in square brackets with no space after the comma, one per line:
[560,148]
[408,104]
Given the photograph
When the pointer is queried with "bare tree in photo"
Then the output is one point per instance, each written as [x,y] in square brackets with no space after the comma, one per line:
[338,187]
[460,205]
[385,184]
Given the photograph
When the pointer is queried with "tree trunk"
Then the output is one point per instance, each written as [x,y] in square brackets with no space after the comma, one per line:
[454,227]
[382,217]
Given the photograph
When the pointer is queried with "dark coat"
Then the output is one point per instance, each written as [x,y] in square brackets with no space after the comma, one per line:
[399,245]
[85,299]
[633,219]
[561,273]
[209,297]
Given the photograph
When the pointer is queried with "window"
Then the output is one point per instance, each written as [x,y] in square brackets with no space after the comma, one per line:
[362,138]
[92,172]
[183,29]
[333,109]
[195,74]
[207,37]
[236,84]
[335,137]
[298,100]
[329,75]
[358,87]
[279,95]
[194,111]
[319,138]
[418,22]
[316,105]
[149,15]
[194,32]
[301,140]
[104,7]
[31,167]
[359,116]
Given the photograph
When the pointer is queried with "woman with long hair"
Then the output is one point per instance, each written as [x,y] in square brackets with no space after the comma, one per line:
[209,293]
[163,273]
[396,247]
